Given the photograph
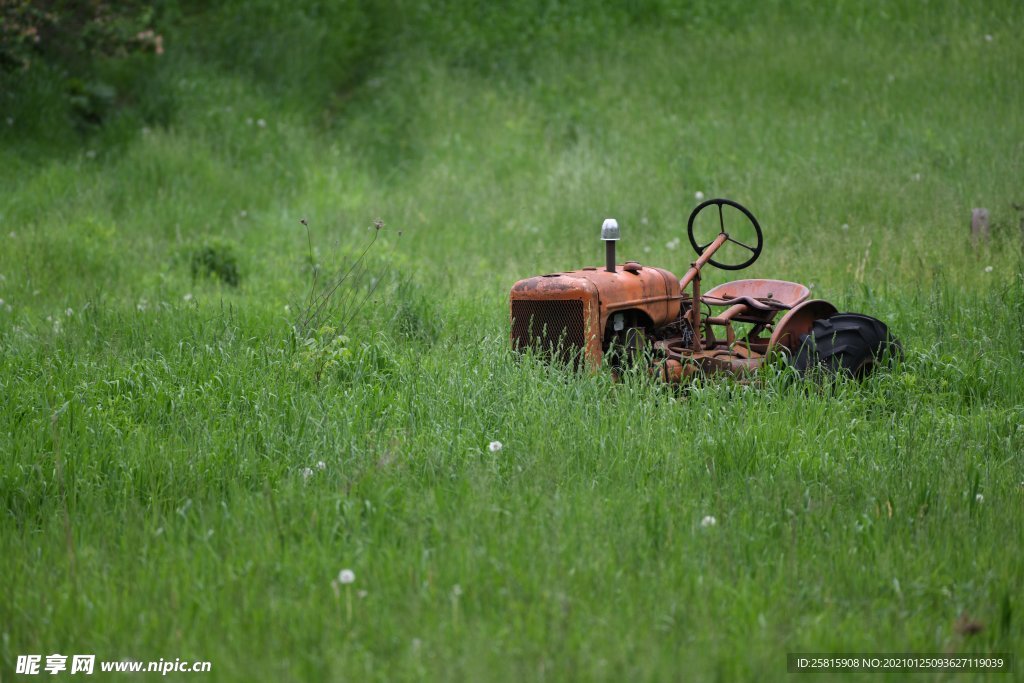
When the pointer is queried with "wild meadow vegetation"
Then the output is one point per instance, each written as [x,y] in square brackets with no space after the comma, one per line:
[191,449]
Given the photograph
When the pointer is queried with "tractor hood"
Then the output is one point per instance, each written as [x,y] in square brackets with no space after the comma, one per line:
[654,292]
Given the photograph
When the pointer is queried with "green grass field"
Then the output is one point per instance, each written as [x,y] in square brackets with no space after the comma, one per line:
[162,433]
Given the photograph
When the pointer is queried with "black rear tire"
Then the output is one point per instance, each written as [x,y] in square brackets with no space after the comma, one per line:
[847,343]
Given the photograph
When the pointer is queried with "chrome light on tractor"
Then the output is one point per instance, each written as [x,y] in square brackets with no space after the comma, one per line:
[610,235]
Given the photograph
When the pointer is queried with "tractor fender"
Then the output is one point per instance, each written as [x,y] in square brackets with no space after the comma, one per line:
[797,322]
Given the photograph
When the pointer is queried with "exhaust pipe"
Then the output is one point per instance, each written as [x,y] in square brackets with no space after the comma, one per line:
[610,235]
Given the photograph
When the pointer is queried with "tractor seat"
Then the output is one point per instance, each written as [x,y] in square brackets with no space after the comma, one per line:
[763,295]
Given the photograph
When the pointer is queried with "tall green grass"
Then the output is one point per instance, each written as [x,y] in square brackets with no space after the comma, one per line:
[161,432]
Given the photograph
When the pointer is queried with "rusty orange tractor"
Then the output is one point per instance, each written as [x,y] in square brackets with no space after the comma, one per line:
[623,312]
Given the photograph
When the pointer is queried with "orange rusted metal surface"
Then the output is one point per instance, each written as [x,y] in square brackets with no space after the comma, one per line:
[575,306]
[760,294]
[798,322]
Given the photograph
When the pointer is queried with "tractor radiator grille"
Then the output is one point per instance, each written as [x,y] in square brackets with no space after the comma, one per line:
[553,327]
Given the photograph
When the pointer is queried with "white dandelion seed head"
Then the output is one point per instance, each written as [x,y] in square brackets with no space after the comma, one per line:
[708,521]
[346,576]
[845,226]
[988,37]
[69,311]
[321,465]
[261,123]
[979,498]
[307,472]
[988,269]
[494,446]
[456,590]
[698,195]
[187,297]
[243,214]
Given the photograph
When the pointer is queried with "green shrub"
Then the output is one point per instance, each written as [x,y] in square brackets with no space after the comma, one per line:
[216,259]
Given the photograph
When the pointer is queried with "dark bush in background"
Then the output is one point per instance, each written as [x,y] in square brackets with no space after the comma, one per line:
[69,66]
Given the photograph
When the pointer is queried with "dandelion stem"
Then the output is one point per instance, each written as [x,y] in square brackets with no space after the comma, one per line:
[311,315]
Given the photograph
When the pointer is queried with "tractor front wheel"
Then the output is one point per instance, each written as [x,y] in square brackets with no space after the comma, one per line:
[847,343]
[627,348]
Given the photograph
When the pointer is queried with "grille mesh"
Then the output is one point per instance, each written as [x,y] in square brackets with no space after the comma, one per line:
[552,327]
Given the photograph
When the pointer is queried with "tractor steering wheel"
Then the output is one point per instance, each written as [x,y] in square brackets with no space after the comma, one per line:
[755,250]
